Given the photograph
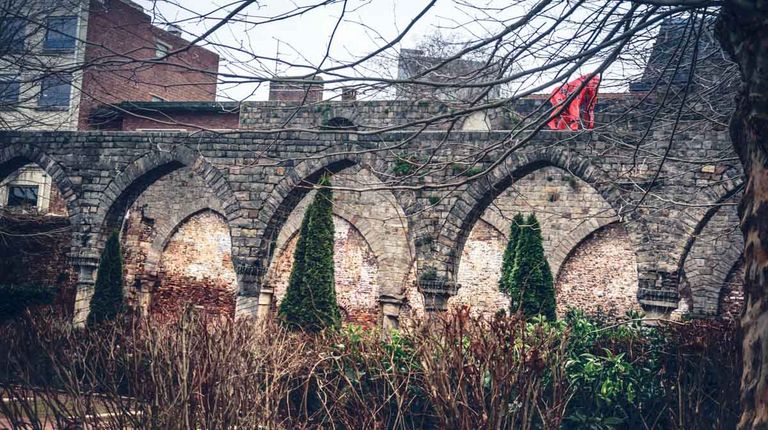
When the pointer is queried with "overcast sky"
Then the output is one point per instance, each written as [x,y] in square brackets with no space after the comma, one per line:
[304,39]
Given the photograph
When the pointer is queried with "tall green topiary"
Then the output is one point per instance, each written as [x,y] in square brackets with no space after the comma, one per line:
[508,261]
[107,300]
[532,287]
[310,301]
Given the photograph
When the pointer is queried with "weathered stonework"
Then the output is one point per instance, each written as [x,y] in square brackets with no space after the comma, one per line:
[257,180]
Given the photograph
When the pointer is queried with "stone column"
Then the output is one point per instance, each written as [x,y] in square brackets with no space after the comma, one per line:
[266,295]
[247,304]
[390,311]
[86,262]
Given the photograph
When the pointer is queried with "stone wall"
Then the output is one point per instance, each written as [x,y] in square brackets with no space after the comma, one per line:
[480,271]
[600,275]
[256,180]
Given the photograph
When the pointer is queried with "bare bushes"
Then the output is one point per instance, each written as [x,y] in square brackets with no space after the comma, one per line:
[452,372]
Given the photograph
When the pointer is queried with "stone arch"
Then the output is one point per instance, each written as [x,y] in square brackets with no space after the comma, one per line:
[14,156]
[383,225]
[711,252]
[54,239]
[365,271]
[195,266]
[293,187]
[472,203]
[123,190]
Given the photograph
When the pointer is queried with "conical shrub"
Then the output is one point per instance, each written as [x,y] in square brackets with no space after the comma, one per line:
[310,301]
[107,300]
[532,288]
[508,261]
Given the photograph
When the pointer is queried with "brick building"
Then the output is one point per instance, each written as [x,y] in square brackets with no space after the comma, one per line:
[63,61]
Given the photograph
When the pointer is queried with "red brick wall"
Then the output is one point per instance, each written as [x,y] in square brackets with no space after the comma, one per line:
[119,33]
[197,270]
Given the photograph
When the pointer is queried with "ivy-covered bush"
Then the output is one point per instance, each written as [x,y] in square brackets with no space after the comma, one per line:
[107,300]
[15,299]
[310,301]
[531,287]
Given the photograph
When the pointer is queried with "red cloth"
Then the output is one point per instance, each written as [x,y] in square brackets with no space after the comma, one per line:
[580,113]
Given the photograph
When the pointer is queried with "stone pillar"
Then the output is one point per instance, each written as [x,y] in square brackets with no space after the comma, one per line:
[266,295]
[390,311]
[247,304]
[86,263]
[436,294]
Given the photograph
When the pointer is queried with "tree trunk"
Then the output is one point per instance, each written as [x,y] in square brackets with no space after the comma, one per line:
[743,32]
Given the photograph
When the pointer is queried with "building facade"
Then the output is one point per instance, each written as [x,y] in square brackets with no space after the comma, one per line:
[61,60]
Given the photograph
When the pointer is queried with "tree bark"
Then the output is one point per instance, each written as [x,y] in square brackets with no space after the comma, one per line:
[743,32]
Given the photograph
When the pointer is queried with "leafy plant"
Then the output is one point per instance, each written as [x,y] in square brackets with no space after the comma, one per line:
[508,260]
[310,301]
[531,286]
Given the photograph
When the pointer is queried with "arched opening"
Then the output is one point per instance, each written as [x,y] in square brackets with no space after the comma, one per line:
[339,123]
[715,247]
[196,269]
[568,210]
[599,276]
[373,256]
[355,269]
[151,193]
[35,231]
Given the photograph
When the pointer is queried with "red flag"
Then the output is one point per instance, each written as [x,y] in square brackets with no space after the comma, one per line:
[580,113]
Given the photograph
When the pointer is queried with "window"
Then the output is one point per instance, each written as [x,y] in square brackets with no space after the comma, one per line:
[9,90]
[22,196]
[12,35]
[55,91]
[157,99]
[161,49]
[60,33]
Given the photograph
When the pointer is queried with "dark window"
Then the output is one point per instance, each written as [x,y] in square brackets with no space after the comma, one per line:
[60,33]
[339,123]
[55,91]
[22,196]
[9,90]
[12,35]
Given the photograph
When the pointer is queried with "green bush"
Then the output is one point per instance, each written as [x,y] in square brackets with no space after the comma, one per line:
[15,299]
[531,285]
[508,261]
[107,300]
[310,301]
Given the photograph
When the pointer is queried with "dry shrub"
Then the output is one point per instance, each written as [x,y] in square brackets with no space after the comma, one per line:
[453,371]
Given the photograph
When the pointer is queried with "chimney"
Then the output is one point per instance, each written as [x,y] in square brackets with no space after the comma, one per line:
[348,94]
[174,30]
[296,92]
